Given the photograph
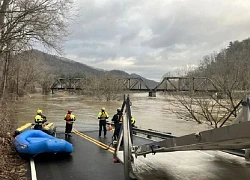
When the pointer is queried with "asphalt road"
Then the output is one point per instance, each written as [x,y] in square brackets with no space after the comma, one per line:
[90,161]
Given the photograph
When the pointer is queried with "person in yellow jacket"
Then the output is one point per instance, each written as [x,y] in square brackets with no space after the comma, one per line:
[70,119]
[40,119]
[102,116]
[133,121]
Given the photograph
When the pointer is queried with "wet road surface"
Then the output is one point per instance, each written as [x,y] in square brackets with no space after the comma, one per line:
[90,161]
[87,162]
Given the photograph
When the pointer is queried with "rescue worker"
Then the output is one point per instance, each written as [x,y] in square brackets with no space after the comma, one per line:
[69,118]
[133,121]
[133,124]
[117,119]
[102,116]
[40,119]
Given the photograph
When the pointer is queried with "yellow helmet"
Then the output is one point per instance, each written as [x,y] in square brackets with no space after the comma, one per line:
[39,111]
[103,108]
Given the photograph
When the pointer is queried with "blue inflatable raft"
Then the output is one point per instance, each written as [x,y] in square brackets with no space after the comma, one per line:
[33,142]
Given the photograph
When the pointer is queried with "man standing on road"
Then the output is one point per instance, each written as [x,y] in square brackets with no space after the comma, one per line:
[117,119]
[102,116]
[69,118]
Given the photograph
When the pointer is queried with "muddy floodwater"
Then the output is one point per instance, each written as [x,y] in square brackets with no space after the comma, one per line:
[150,113]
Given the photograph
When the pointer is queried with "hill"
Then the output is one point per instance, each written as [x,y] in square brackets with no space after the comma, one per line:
[63,67]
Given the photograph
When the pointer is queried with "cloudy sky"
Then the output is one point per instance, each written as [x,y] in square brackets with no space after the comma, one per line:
[153,37]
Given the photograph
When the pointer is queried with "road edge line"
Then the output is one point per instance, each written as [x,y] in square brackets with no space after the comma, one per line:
[33,169]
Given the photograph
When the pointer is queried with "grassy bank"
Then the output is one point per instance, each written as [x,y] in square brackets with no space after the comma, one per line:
[12,167]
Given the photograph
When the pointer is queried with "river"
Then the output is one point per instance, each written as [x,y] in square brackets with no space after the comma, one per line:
[150,113]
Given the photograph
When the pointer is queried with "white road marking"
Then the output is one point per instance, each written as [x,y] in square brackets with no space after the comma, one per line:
[33,169]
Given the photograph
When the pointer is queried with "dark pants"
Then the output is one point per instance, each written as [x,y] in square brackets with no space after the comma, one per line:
[68,128]
[133,126]
[102,123]
[117,131]
[38,126]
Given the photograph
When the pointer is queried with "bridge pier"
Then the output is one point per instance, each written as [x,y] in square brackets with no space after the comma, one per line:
[152,94]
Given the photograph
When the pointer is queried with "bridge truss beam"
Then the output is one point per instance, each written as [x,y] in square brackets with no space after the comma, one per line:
[67,84]
[195,84]
[133,84]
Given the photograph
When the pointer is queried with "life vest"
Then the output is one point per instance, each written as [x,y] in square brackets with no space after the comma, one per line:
[132,120]
[120,119]
[103,115]
[69,118]
[38,119]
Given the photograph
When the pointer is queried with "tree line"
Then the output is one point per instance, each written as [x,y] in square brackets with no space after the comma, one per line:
[229,70]
[23,25]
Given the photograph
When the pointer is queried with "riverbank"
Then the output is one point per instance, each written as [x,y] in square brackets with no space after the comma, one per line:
[12,167]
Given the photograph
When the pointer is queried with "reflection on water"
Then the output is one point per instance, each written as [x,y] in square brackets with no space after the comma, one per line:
[150,113]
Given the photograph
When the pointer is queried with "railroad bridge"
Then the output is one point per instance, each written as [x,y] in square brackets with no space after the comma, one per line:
[168,84]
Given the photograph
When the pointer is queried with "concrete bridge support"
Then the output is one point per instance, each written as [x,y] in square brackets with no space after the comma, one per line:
[152,94]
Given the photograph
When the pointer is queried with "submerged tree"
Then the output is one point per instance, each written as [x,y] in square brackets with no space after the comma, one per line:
[202,108]
[107,87]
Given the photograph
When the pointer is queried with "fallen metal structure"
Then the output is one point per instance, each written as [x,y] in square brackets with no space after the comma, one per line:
[231,137]
[236,136]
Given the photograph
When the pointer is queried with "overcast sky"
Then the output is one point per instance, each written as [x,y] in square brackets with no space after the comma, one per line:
[153,37]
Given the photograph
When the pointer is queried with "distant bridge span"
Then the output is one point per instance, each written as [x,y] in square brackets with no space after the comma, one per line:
[168,84]
[186,84]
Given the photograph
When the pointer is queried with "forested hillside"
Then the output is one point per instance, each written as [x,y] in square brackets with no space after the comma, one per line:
[229,68]
[63,67]
[39,69]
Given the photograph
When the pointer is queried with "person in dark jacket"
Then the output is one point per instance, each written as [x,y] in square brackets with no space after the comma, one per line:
[117,119]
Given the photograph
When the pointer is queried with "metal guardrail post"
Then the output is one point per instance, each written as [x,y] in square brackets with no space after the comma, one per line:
[120,136]
[126,146]
[127,142]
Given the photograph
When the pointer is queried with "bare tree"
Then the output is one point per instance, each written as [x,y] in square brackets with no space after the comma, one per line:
[228,70]
[24,23]
[103,88]
[201,108]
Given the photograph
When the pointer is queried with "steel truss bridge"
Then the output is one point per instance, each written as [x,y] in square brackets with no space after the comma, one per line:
[67,84]
[168,84]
